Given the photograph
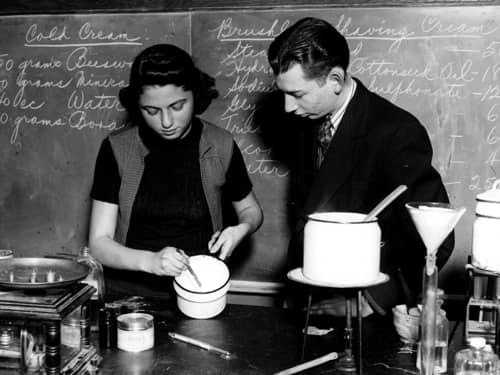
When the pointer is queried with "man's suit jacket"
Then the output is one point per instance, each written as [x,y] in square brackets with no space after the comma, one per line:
[376,147]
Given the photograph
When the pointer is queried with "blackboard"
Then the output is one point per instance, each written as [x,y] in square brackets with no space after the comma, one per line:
[440,63]
[60,76]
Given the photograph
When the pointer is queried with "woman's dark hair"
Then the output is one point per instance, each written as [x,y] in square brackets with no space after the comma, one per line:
[166,64]
[314,44]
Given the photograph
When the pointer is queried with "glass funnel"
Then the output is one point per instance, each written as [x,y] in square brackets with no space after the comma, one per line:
[434,222]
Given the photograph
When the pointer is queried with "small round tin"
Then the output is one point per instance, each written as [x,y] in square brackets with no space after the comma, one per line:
[135,332]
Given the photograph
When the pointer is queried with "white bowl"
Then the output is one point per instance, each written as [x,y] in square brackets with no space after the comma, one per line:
[208,300]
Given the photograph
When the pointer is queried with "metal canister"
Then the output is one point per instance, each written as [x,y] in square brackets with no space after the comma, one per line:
[135,332]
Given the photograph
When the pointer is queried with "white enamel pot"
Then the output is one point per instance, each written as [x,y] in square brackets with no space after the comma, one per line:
[206,301]
[341,247]
[486,229]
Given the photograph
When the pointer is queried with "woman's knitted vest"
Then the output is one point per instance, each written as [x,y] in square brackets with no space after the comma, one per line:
[216,149]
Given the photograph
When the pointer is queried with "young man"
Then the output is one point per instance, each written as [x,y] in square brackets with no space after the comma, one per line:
[359,150]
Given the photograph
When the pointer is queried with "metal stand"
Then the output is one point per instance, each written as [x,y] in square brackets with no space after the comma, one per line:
[347,362]
[47,309]
[483,306]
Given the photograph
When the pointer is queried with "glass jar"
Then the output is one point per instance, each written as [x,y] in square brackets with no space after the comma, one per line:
[70,329]
[10,347]
[441,359]
[95,278]
[441,339]
[476,360]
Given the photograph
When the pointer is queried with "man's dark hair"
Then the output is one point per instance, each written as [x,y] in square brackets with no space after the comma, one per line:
[314,44]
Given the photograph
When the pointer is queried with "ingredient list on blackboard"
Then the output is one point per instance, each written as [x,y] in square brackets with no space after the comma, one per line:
[60,76]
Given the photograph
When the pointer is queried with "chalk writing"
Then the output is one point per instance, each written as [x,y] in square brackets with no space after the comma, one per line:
[3,84]
[382,31]
[492,113]
[491,138]
[22,103]
[89,80]
[34,121]
[37,64]
[393,90]
[80,58]
[75,88]
[88,32]
[246,76]
[60,77]
[436,25]
[477,184]
[491,50]
[6,63]
[78,100]
[78,120]
[56,33]
[440,64]
[225,31]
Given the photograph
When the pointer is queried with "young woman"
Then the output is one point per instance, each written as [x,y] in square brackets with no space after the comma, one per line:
[160,183]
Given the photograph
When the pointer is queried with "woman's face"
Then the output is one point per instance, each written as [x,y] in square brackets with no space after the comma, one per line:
[167,110]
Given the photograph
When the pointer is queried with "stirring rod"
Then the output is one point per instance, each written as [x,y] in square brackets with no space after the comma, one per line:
[190,269]
[200,344]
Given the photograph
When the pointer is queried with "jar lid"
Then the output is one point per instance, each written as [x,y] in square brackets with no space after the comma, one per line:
[134,321]
[492,195]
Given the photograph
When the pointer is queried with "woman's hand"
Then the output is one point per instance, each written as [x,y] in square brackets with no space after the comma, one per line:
[225,242]
[249,218]
[169,262]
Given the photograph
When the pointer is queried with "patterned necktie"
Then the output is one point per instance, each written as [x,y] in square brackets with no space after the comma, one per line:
[325,135]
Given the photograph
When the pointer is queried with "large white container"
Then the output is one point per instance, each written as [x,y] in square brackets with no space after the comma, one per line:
[208,300]
[339,248]
[486,230]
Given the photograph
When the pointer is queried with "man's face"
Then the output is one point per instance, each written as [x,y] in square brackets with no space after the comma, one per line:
[305,97]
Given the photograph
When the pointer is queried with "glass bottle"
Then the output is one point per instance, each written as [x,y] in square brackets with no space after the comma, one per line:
[95,278]
[441,338]
[70,329]
[476,360]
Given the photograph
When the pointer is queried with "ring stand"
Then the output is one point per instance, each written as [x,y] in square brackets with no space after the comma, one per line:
[346,362]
